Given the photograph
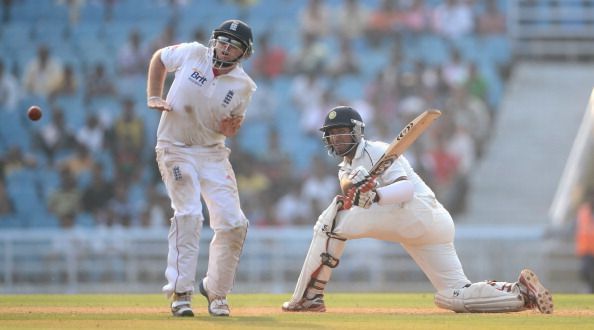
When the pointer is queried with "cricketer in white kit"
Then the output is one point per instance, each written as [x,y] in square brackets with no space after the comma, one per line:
[206,103]
[399,207]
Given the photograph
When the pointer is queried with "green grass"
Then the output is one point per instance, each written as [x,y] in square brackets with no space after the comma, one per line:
[262,311]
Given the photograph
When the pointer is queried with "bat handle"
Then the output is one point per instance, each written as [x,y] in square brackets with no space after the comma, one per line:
[344,202]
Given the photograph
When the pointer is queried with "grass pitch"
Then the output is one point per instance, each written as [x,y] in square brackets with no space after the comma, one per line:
[262,311]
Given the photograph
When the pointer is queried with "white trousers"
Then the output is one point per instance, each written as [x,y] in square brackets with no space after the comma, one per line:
[188,173]
[422,226]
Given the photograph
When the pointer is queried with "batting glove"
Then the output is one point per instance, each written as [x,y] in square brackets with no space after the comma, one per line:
[364,199]
[359,176]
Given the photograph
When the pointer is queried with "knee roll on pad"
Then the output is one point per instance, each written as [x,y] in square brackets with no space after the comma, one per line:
[479,298]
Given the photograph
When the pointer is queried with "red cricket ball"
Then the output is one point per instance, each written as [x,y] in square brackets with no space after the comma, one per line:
[34,112]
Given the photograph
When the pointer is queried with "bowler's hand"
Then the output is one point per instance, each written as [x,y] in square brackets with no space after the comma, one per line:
[157,103]
[230,125]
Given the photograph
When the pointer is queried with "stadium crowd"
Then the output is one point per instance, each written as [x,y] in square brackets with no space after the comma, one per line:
[90,160]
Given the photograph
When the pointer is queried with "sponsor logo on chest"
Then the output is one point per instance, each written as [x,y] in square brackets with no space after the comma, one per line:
[197,77]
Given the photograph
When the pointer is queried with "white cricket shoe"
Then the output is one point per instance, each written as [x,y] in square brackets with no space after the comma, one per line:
[181,304]
[217,306]
[316,304]
[535,294]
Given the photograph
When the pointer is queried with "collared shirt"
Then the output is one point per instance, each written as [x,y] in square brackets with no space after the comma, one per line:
[367,155]
[199,99]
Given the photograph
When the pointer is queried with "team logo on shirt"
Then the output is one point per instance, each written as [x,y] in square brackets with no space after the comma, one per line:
[197,78]
[228,98]
[177,174]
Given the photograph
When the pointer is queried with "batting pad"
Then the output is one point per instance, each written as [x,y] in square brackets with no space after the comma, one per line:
[224,253]
[480,297]
[320,243]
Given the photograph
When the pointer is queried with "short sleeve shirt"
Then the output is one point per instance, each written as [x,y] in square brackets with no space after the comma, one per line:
[199,99]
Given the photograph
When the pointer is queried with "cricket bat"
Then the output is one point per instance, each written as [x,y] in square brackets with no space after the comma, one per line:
[408,135]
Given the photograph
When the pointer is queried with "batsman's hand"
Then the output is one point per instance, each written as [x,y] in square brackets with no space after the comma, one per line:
[360,176]
[362,196]
[157,103]
[230,125]
[364,199]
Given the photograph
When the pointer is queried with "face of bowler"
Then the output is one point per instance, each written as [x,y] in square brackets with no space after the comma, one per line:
[228,49]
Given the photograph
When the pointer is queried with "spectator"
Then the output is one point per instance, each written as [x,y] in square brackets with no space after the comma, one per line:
[417,17]
[314,19]
[380,24]
[453,19]
[64,202]
[44,74]
[55,139]
[491,22]
[584,239]
[290,209]
[277,165]
[6,204]
[313,113]
[443,167]
[92,135]
[121,210]
[269,61]
[9,89]
[133,56]
[383,95]
[68,85]
[462,146]
[15,160]
[351,20]
[307,92]
[253,185]
[319,187]
[7,10]
[471,113]
[476,84]
[80,162]
[167,37]
[456,71]
[310,57]
[126,140]
[346,62]
[264,105]
[99,84]
[96,195]
[199,34]
[157,211]
[74,8]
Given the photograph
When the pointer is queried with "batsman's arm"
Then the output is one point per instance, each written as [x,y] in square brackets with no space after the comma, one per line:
[155,81]
[406,137]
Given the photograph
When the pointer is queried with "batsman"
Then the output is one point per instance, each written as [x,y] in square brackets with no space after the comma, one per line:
[397,206]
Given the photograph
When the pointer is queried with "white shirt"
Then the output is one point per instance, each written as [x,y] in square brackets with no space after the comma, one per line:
[199,99]
[367,155]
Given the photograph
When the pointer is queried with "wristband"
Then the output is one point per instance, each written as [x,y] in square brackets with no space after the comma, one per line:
[152,98]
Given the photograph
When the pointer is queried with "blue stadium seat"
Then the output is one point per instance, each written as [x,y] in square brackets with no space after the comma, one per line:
[74,110]
[13,129]
[434,49]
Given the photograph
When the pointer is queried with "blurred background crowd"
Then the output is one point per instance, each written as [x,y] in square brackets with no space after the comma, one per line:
[90,160]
